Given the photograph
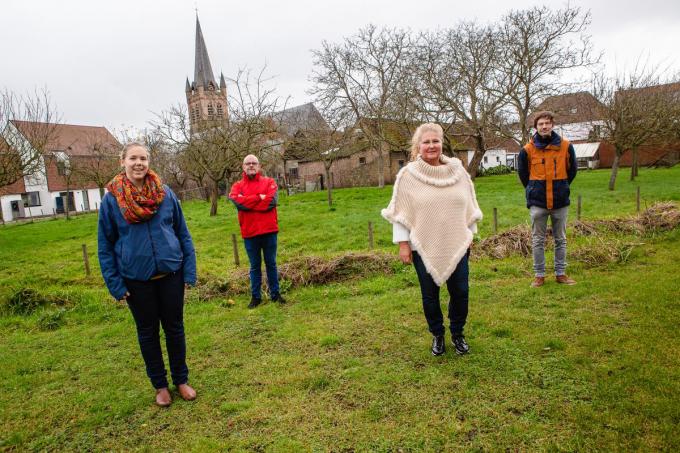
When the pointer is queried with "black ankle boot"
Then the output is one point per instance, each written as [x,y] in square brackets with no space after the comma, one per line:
[438,345]
[460,344]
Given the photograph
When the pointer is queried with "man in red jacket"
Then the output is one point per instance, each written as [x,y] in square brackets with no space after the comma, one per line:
[255,196]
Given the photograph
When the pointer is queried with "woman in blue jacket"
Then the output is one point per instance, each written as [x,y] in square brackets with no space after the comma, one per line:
[147,259]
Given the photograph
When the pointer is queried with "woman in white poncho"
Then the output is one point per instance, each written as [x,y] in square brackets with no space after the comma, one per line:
[434,213]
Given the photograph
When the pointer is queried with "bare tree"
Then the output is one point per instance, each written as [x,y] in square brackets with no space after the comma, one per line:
[217,148]
[360,77]
[540,45]
[100,164]
[461,69]
[326,142]
[27,125]
[637,110]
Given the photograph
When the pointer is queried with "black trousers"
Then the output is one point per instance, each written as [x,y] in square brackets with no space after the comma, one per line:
[458,287]
[161,302]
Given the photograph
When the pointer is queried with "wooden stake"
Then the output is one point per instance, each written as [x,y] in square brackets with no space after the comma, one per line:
[578,212]
[638,199]
[235,244]
[86,260]
[370,235]
[495,220]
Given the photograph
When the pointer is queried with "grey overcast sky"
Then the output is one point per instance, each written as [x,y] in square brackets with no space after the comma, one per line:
[114,63]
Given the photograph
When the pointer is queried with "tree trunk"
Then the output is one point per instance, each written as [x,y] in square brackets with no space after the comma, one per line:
[473,165]
[2,219]
[329,186]
[381,167]
[214,198]
[634,165]
[615,170]
[66,203]
[101,193]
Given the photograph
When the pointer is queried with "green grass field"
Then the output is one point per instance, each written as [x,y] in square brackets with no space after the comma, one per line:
[346,366]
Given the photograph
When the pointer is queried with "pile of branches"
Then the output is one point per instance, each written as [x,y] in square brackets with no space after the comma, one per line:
[515,241]
[600,252]
[663,216]
[305,271]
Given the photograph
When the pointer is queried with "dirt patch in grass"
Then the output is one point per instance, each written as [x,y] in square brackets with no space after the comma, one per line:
[305,271]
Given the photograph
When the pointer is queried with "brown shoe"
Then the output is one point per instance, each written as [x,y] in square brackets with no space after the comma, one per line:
[186,392]
[163,398]
[565,280]
[538,281]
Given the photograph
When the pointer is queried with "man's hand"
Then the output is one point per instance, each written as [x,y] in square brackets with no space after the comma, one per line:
[405,254]
[125,296]
[262,196]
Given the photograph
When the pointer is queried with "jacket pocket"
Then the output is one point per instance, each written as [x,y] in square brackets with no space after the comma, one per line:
[538,168]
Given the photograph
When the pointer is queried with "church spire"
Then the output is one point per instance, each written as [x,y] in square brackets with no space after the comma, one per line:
[203,73]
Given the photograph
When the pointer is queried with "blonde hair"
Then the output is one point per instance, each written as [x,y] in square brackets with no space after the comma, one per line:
[417,135]
[129,145]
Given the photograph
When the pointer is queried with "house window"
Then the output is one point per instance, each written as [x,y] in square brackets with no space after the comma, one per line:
[86,201]
[486,159]
[211,110]
[362,161]
[30,199]
[220,110]
[293,172]
[498,160]
[61,168]
[574,110]
[401,163]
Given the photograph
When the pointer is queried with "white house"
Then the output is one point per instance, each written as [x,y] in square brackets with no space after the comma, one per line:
[44,191]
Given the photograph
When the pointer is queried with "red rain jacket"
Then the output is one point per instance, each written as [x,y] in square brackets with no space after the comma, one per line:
[256,215]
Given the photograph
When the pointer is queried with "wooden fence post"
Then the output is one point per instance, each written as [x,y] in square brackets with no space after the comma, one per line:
[370,235]
[637,198]
[86,260]
[235,244]
[495,220]
[578,211]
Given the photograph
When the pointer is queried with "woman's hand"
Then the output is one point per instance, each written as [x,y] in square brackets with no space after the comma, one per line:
[405,253]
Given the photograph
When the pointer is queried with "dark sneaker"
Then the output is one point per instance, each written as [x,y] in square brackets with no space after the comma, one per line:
[254,302]
[279,299]
[461,345]
[438,345]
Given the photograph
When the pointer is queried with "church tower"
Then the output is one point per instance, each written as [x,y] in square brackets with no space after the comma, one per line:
[206,100]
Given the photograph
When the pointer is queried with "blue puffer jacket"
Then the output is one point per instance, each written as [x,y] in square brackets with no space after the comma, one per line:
[138,251]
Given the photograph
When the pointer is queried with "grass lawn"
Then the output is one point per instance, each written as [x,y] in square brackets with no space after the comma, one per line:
[346,366]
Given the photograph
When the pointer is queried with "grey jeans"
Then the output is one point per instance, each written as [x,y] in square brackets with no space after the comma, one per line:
[539,224]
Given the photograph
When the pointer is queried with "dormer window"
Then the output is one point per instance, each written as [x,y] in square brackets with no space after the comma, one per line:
[574,110]
[211,110]
[220,110]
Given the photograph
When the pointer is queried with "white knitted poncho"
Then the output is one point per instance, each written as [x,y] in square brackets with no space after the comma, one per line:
[438,205]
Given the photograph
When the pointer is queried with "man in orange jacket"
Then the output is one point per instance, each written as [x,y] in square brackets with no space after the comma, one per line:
[547,166]
[255,197]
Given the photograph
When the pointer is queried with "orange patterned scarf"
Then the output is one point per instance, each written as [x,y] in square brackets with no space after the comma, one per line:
[135,205]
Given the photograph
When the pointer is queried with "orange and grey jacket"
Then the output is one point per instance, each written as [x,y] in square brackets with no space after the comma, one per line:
[546,168]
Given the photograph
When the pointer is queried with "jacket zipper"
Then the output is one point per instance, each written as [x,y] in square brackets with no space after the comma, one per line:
[555,166]
[153,249]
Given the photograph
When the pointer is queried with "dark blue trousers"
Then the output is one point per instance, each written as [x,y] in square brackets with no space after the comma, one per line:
[457,285]
[257,247]
[154,303]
